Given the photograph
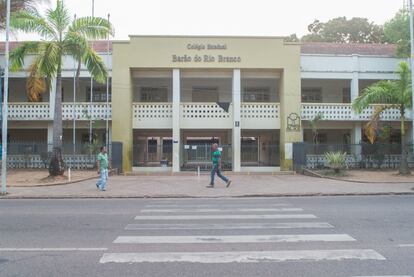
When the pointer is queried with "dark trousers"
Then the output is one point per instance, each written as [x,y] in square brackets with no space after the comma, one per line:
[216,170]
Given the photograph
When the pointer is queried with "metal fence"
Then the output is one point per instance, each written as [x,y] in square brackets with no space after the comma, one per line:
[147,155]
[360,156]
[256,155]
[37,155]
[199,155]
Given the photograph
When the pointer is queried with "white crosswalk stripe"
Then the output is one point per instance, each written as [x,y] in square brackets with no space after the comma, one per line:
[243,257]
[385,276]
[220,218]
[232,239]
[229,226]
[188,206]
[220,210]
[227,216]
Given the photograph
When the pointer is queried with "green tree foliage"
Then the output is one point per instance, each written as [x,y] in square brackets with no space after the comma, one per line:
[344,30]
[61,36]
[397,31]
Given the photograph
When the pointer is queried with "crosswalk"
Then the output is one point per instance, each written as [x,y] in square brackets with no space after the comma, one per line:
[289,233]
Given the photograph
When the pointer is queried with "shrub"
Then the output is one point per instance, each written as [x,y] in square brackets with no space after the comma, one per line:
[336,160]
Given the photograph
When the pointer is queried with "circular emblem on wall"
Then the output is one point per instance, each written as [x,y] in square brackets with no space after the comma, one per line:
[293,122]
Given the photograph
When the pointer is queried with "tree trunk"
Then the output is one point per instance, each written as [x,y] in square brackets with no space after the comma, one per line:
[56,166]
[404,169]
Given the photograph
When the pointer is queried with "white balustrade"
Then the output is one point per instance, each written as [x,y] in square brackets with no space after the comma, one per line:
[344,112]
[152,115]
[205,116]
[329,111]
[28,111]
[86,111]
[41,111]
[260,115]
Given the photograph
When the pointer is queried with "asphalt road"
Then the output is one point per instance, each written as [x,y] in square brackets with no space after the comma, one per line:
[309,236]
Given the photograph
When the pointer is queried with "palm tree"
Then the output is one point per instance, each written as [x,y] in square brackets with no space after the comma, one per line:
[391,94]
[61,37]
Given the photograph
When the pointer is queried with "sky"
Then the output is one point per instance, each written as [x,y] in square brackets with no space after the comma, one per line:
[226,17]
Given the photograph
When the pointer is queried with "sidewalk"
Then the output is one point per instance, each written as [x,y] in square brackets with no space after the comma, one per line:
[191,186]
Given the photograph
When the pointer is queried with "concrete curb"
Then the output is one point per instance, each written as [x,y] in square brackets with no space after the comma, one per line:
[311,173]
[212,197]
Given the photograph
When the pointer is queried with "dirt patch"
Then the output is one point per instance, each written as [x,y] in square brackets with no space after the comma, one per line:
[31,177]
[374,175]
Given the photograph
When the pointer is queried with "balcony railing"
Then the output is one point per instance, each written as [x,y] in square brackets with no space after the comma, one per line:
[29,111]
[152,115]
[86,111]
[344,112]
[206,116]
[41,111]
[260,115]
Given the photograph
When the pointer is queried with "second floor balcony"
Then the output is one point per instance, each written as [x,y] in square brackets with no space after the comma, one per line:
[41,111]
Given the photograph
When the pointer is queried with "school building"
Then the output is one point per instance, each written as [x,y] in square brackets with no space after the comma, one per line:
[171,97]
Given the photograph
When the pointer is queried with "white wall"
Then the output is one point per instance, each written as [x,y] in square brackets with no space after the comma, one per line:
[331,89]
[332,63]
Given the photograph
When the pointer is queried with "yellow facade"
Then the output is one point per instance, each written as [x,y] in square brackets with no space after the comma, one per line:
[181,52]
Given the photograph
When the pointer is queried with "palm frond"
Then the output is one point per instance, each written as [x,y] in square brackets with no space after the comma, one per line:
[382,92]
[75,45]
[92,27]
[15,6]
[371,127]
[30,21]
[49,59]
[18,55]
[36,85]
[59,18]
[95,65]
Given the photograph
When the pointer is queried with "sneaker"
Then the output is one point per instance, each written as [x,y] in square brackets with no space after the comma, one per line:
[228,183]
[103,189]
[210,186]
[97,186]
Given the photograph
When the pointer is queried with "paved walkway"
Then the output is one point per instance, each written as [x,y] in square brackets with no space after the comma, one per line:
[191,186]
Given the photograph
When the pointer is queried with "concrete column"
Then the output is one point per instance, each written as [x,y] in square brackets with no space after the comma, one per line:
[356,138]
[176,164]
[52,95]
[122,126]
[237,120]
[49,136]
[356,135]
[290,112]
[355,78]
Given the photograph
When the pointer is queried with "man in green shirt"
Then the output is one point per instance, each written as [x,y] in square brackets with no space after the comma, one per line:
[216,167]
[102,163]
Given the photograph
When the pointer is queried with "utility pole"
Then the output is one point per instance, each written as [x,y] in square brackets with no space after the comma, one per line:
[5,105]
[91,91]
[410,9]
[74,107]
[107,93]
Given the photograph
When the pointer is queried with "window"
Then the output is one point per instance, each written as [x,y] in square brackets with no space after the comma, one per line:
[205,94]
[346,95]
[312,95]
[152,146]
[154,94]
[99,94]
[256,94]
